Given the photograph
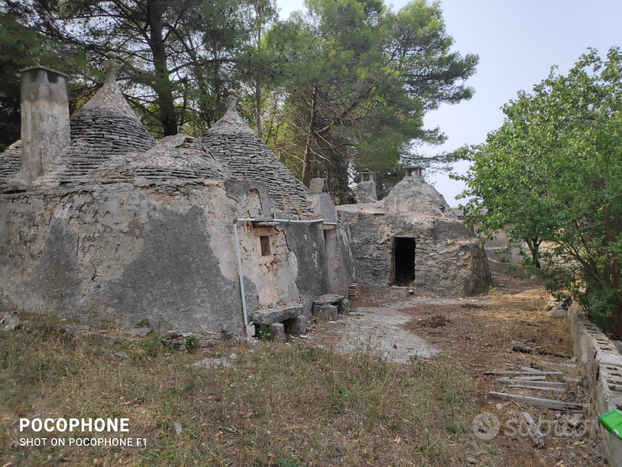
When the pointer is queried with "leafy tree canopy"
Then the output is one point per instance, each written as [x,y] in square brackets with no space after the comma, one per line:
[357,81]
[552,173]
[342,87]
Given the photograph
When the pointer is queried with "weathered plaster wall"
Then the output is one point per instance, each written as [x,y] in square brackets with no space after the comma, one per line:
[307,243]
[341,271]
[166,255]
[340,263]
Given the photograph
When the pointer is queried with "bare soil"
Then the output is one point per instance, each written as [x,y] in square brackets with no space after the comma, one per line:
[477,335]
[397,382]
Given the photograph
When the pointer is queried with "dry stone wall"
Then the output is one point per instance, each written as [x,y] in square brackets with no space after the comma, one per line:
[10,163]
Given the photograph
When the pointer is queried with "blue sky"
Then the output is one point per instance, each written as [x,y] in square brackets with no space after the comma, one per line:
[517,42]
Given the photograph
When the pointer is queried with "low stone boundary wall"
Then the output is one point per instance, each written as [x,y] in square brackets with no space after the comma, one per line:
[603,364]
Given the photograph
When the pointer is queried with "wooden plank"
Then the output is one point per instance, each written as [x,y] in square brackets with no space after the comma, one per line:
[543,384]
[520,373]
[538,402]
[538,388]
[523,378]
[535,371]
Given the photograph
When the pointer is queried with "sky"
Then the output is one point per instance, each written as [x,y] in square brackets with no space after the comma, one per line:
[517,42]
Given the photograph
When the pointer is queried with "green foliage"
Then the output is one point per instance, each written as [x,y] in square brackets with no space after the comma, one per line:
[191,343]
[356,81]
[263,331]
[153,343]
[551,174]
[23,46]
[338,89]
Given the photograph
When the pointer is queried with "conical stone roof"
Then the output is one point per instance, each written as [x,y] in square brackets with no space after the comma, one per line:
[179,158]
[11,162]
[105,126]
[246,157]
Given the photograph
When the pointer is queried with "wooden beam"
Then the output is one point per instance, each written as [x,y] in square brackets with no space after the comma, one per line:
[538,402]
[521,373]
[538,388]
[543,384]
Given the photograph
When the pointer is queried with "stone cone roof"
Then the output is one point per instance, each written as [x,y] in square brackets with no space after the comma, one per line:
[414,195]
[105,126]
[246,157]
[11,162]
[174,158]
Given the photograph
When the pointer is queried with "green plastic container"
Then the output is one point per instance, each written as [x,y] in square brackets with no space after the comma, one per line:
[612,421]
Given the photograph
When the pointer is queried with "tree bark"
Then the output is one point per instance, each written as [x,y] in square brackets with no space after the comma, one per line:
[306,166]
[257,84]
[534,246]
[163,86]
[258,108]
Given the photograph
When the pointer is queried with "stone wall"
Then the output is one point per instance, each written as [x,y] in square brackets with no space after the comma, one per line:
[10,163]
[130,253]
[448,259]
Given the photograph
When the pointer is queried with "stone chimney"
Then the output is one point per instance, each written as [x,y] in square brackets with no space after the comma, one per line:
[366,192]
[45,120]
[413,171]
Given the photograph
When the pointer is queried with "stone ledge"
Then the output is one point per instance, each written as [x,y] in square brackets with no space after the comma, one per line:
[328,299]
[603,365]
[277,314]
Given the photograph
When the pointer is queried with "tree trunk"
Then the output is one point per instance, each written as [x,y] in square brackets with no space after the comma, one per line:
[163,86]
[534,247]
[257,84]
[306,166]
[258,108]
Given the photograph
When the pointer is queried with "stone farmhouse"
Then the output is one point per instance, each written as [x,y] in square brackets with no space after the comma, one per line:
[99,220]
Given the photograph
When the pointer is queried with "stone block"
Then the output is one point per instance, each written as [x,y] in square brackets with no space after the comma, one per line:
[277,332]
[9,322]
[277,314]
[396,291]
[556,313]
[328,312]
[318,185]
[366,193]
[296,325]
[344,306]
[328,299]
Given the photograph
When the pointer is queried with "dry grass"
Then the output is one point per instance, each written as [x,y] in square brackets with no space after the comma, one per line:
[276,405]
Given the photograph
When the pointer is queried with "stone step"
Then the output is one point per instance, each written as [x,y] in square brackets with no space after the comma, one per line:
[328,299]
[277,314]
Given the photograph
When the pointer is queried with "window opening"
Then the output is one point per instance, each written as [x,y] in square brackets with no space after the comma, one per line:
[265,245]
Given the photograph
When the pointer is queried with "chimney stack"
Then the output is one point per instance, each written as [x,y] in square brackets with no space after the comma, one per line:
[45,120]
[413,171]
[366,192]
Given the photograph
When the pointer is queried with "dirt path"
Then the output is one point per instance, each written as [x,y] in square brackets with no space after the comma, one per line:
[478,333]
[382,331]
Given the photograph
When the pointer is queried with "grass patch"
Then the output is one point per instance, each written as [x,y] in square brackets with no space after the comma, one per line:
[273,405]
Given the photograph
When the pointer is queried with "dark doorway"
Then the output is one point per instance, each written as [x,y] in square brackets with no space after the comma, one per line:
[404,260]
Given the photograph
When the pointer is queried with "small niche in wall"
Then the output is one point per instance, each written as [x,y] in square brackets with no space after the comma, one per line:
[264,240]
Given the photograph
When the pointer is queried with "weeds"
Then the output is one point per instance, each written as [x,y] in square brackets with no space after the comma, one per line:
[275,406]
